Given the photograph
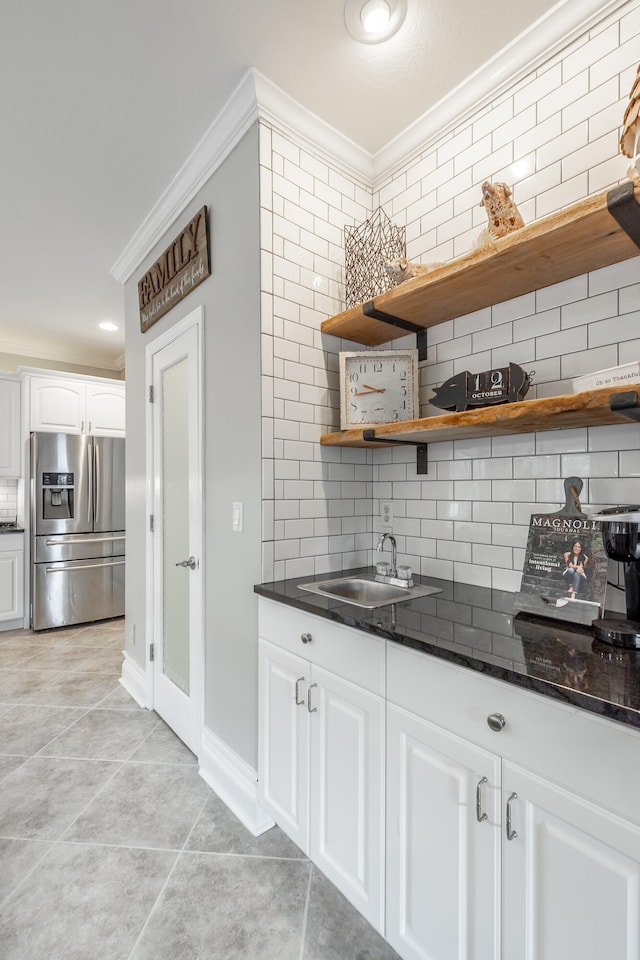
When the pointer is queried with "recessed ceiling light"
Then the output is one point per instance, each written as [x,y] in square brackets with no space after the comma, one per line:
[375,16]
[107,325]
[372,21]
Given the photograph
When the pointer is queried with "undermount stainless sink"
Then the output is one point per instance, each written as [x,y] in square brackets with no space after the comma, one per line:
[365,592]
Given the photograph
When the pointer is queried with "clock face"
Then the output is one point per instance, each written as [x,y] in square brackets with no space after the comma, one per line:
[379,386]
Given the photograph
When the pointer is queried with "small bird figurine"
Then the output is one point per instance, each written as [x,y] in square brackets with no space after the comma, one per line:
[630,136]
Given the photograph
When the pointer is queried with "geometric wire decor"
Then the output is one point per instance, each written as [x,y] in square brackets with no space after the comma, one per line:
[367,247]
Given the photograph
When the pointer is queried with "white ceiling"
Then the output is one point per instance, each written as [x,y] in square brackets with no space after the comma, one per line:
[103,101]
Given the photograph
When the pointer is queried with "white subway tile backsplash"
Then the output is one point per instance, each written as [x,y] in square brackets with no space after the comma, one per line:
[472,573]
[472,532]
[468,517]
[614,330]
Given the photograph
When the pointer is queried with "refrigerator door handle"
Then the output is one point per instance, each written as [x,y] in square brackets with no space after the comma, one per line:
[97,507]
[90,475]
[65,568]
[83,538]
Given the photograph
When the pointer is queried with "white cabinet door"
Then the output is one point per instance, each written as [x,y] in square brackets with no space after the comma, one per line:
[571,876]
[10,428]
[56,404]
[60,404]
[321,771]
[443,843]
[284,740]
[347,789]
[11,583]
[105,410]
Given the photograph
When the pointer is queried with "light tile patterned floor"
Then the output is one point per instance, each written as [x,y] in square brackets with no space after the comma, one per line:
[113,848]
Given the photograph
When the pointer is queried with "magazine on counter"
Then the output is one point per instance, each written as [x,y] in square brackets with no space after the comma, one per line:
[564,575]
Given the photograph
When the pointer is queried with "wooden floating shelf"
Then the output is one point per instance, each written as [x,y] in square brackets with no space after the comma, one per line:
[574,241]
[588,409]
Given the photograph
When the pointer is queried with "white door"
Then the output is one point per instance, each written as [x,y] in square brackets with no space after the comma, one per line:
[571,875]
[347,789]
[284,741]
[443,844]
[177,608]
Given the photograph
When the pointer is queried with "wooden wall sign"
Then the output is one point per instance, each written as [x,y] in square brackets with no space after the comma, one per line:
[182,266]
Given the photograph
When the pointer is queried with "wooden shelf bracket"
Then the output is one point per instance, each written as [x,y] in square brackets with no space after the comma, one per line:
[626,403]
[625,209]
[422,462]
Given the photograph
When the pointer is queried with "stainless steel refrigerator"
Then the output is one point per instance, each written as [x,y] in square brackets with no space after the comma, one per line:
[77,529]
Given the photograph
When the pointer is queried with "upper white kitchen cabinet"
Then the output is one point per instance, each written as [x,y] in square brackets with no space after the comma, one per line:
[65,405]
[9,427]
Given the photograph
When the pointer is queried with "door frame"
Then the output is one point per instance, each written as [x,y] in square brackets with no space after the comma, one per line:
[193,319]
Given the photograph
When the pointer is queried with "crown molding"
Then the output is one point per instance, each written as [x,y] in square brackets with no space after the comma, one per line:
[280,110]
[257,98]
[254,98]
[228,128]
[556,29]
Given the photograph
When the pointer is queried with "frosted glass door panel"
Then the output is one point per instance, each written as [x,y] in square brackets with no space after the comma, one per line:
[175,523]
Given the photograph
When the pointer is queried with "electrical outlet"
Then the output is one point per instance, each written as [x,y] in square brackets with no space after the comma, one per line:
[386,513]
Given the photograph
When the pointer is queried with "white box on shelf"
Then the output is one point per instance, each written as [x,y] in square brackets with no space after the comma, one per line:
[611,377]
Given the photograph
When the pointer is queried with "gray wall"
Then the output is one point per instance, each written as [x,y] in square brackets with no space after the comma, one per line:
[231,299]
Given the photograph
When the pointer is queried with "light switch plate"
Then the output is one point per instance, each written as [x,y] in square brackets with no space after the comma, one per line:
[236,518]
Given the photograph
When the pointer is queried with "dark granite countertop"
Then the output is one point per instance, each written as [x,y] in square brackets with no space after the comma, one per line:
[475,627]
[11,528]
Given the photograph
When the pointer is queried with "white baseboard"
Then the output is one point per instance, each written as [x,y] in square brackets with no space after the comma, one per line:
[234,781]
[134,680]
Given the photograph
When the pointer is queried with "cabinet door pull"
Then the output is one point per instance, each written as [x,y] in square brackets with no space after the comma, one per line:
[480,816]
[309,707]
[299,703]
[306,637]
[511,834]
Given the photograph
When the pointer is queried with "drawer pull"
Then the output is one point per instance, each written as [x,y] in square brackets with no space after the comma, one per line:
[480,816]
[306,637]
[299,703]
[309,707]
[496,722]
[511,834]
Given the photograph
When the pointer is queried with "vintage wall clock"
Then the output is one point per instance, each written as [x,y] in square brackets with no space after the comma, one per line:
[378,386]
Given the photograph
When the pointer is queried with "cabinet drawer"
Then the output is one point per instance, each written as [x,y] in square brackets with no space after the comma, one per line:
[352,654]
[595,757]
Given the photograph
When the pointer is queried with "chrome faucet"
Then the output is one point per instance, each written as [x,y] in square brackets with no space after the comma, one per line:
[394,551]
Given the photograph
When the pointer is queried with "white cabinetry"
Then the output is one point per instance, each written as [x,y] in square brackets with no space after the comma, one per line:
[9,428]
[571,875]
[321,764]
[11,576]
[66,405]
[443,843]
[561,789]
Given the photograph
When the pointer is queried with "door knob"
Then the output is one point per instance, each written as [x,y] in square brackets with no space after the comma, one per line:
[192,563]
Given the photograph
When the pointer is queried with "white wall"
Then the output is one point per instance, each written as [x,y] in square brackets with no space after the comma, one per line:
[554,137]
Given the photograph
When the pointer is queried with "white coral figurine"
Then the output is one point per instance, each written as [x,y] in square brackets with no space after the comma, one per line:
[630,136]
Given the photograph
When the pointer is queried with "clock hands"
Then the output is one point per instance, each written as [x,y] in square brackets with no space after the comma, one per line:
[364,393]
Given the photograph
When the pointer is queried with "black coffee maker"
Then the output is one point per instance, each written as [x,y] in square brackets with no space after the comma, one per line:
[621,536]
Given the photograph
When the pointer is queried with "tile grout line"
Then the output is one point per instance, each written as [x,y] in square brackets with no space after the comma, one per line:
[178,853]
[305,915]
